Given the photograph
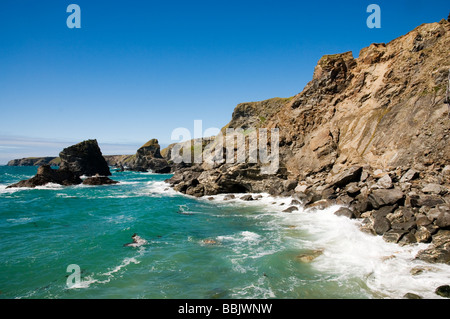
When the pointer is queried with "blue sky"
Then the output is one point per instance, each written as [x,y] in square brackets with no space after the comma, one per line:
[137,70]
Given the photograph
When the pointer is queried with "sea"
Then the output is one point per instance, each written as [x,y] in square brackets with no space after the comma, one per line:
[191,248]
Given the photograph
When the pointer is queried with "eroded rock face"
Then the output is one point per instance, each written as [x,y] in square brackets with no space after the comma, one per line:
[370,134]
[84,158]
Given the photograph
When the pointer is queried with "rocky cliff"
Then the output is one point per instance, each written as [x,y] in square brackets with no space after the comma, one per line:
[370,133]
[147,157]
[35,161]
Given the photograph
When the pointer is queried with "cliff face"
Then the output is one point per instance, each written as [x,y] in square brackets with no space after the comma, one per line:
[35,161]
[384,109]
[370,133]
[147,157]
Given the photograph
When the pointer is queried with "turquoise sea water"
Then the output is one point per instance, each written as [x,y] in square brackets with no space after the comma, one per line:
[197,248]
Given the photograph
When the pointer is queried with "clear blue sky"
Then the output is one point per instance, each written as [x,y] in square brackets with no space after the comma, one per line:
[137,70]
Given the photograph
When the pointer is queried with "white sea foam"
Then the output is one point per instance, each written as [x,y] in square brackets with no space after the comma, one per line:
[387,269]
[87,281]
[349,253]
[158,189]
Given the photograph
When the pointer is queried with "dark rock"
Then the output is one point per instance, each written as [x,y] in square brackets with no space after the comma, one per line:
[84,158]
[406,226]
[343,211]
[295,202]
[383,197]
[443,220]
[381,225]
[408,239]
[290,209]
[99,180]
[384,211]
[443,291]
[350,175]
[46,174]
[393,236]
[229,197]
[429,200]
[247,198]
[148,158]
[410,295]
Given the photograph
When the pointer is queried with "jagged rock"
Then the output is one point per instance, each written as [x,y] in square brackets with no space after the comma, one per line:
[84,158]
[384,197]
[99,180]
[429,200]
[439,252]
[393,235]
[410,175]
[148,157]
[353,174]
[46,174]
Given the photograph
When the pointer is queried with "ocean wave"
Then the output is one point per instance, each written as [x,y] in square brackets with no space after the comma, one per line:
[110,275]
[386,268]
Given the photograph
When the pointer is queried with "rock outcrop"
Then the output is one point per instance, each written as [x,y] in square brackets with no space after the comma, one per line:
[35,161]
[46,175]
[83,159]
[147,158]
[368,133]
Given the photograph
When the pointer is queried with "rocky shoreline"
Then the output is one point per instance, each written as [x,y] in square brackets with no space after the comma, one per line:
[369,134]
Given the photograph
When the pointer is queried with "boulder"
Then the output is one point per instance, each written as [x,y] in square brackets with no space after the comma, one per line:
[385,182]
[381,225]
[384,197]
[350,175]
[443,291]
[410,175]
[290,209]
[434,189]
[343,211]
[247,198]
[393,236]
[84,158]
